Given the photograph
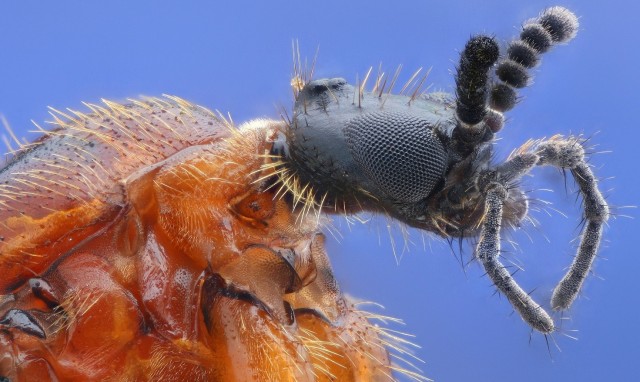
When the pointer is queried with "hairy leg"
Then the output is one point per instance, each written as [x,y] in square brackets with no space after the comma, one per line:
[565,153]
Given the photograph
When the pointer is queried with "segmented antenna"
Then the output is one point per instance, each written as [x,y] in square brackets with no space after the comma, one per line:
[480,104]
[478,56]
[553,26]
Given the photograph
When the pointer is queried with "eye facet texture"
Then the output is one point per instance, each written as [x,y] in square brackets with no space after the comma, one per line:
[398,151]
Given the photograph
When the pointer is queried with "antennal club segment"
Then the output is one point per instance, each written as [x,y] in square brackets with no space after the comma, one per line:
[480,104]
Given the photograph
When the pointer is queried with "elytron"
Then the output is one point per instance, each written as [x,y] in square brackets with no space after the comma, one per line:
[155,240]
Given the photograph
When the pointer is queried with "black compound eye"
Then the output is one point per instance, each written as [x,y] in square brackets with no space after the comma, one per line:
[399,152]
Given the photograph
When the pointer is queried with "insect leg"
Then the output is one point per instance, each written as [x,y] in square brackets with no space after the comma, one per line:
[569,153]
[566,153]
[488,251]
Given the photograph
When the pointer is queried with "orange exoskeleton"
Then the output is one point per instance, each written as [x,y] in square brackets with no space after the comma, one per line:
[153,240]
[143,242]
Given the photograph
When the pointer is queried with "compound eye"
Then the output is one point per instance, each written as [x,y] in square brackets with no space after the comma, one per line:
[399,152]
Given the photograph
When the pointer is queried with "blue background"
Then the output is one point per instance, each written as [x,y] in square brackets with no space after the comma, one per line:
[237,58]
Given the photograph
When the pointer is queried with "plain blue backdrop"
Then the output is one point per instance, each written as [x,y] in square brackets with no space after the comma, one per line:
[236,57]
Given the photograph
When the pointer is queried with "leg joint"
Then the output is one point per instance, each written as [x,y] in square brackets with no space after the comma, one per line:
[564,153]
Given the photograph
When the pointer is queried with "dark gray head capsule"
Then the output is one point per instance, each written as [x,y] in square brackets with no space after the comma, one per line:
[382,150]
